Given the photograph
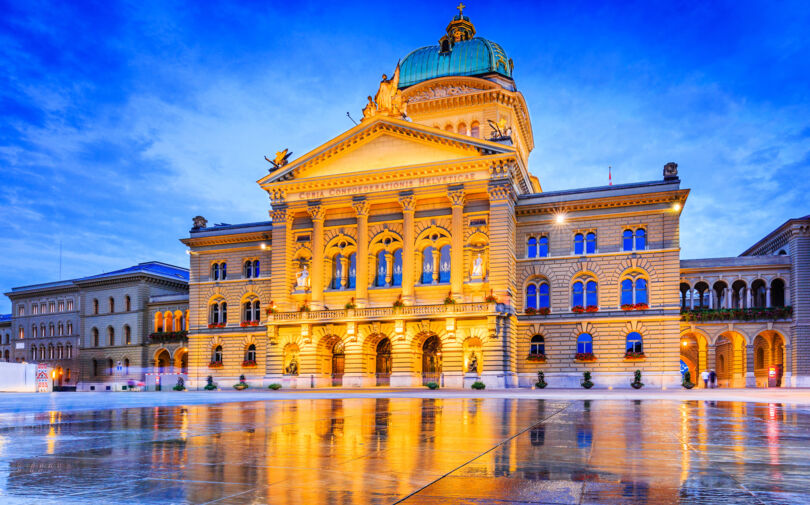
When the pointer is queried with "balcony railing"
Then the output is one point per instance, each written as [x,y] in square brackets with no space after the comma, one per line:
[169,336]
[752,314]
[376,312]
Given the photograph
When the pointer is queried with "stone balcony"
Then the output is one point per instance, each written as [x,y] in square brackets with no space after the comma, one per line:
[737,315]
[406,312]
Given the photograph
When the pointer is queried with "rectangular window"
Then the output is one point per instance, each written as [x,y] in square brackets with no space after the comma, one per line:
[61,306]
[35,309]
[51,307]
[20,310]
[542,247]
[22,333]
[70,304]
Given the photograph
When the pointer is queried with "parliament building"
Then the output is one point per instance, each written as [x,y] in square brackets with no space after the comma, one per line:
[417,247]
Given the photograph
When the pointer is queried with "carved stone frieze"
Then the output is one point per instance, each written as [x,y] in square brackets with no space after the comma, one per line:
[443,91]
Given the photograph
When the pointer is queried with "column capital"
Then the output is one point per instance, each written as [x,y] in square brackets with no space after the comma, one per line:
[407,201]
[361,206]
[501,192]
[280,215]
[456,196]
[316,211]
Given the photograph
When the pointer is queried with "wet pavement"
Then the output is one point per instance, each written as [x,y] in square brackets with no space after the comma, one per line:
[409,450]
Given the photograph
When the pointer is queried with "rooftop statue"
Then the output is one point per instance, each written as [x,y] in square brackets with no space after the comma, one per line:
[281,159]
[388,100]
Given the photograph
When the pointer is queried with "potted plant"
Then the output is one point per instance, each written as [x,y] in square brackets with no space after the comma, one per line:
[687,380]
[350,305]
[592,308]
[478,385]
[239,386]
[249,363]
[449,300]
[271,309]
[490,298]
[274,386]
[585,356]
[586,380]
[180,386]
[398,303]
[637,384]
[304,307]
[577,308]
[541,381]
[209,384]
[432,385]
[634,355]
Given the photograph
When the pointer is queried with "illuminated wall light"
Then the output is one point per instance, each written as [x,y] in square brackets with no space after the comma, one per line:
[676,207]
[560,219]
[263,245]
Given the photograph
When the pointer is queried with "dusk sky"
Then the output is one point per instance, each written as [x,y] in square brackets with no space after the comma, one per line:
[122,121]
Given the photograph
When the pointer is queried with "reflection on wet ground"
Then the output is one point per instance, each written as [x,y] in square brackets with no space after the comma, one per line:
[411,450]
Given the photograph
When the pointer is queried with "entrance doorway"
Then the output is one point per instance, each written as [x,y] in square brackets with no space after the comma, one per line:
[383,369]
[431,360]
[338,364]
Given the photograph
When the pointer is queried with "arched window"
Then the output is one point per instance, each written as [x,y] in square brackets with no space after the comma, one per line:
[577,295]
[591,298]
[70,328]
[382,267]
[111,335]
[42,352]
[474,129]
[777,293]
[218,312]
[128,303]
[257,311]
[585,343]
[627,292]
[444,264]
[641,291]
[112,305]
[127,334]
[590,243]
[532,248]
[247,269]
[34,331]
[95,306]
[337,271]
[531,296]
[544,296]
[396,277]
[635,343]
[215,271]
[627,240]
[542,247]
[579,244]
[69,351]
[427,265]
[216,357]
[95,337]
[110,366]
[51,330]
[60,329]
[462,129]
[50,351]
[248,311]
[158,322]
[250,354]
[256,269]
[537,346]
[448,128]
[641,239]
[95,368]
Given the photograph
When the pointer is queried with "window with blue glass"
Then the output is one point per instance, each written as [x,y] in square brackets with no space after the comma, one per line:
[627,240]
[444,264]
[256,269]
[577,294]
[396,278]
[591,298]
[352,281]
[641,291]
[531,296]
[634,342]
[537,345]
[641,239]
[542,247]
[532,248]
[544,296]
[627,292]
[579,244]
[585,343]
[427,265]
[337,271]
[590,243]
[382,266]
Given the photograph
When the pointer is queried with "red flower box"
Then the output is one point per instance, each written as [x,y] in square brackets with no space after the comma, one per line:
[634,355]
[243,324]
[248,364]
[215,364]
[221,325]
[254,323]
[530,311]
[628,306]
[544,311]
[577,308]
[585,356]
[592,308]
[211,326]
[641,306]
[536,357]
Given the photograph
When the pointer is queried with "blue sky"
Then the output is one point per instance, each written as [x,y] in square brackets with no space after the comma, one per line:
[122,121]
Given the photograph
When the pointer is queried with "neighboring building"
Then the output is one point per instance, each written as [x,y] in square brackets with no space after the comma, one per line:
[117,322]
[167,350]
[45,328]
[403,252]
[6,345]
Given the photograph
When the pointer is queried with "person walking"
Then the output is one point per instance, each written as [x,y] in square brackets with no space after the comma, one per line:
[705,376]
[713,378]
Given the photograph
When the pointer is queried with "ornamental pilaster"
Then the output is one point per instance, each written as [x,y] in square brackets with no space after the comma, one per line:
[361,207]
[408,202]
[317,212]
[456,195]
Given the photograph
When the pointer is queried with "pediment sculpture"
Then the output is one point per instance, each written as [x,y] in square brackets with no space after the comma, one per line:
[388,100]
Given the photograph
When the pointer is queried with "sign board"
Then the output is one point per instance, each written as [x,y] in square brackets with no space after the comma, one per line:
[43,381]
[119,368]
[20,345]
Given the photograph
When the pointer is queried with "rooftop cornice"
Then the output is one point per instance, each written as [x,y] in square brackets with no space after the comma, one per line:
[224,238]
[534,204]
[780,235]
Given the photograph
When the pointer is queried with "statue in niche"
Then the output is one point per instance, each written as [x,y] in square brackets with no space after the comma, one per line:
[478,267]
[292,367]
[472,366]
[302,279]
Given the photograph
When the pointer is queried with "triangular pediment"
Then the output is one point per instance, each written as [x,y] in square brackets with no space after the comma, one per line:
[382,144]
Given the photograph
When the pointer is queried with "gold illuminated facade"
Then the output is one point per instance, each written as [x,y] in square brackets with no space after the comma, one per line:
[416,247]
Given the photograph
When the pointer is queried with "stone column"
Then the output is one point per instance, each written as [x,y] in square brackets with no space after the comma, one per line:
[692,298]
[389,268]
[316,212]
[711,362]
[408,254]
[280,252]
[749,298]
[728,298]
[361,276]
[768,296]
[750,379]
[456,196]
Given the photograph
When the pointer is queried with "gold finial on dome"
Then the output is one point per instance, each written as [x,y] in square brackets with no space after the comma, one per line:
[461,8]
[459,29]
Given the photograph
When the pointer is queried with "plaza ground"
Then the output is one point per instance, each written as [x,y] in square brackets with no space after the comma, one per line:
[406,446]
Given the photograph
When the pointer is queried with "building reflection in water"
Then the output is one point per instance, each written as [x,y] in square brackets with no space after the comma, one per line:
[379,450]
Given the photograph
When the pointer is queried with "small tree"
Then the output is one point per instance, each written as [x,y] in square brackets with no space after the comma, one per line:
[687,380]
[479,385]
[432,385]
[541,380]
[637,384]
[586,380]
[181,385]
[210,386]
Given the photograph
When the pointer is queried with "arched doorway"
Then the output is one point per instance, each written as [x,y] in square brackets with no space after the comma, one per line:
[384,363]
[163,361]
[181,360]
[431,360]
[338,363]
[58,376]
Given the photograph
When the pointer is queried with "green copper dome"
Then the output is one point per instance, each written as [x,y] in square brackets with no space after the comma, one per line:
[459,52]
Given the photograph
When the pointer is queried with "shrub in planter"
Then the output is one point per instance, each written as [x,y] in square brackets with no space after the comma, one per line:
[478,385]
[241,384]
[180,386]
[491,298]
[586,380]
[398,303]
[209,384]
[274,386]
[687,380]
[541,381]
[350,305]
[449,300]
[637,384]
[432,385]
